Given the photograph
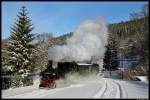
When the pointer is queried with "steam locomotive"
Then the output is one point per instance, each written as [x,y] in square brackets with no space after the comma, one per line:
[51,74]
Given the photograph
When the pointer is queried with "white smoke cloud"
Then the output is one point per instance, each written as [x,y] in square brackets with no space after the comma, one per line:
[88,40]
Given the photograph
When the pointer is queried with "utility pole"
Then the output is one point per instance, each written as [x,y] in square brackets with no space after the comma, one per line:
[110,64]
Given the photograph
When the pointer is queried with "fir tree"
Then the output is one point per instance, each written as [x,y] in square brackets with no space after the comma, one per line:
[20,49]
[110,59]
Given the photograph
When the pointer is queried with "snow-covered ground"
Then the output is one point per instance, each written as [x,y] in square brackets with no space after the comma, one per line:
[94,87]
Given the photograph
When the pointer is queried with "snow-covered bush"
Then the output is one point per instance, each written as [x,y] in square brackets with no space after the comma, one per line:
[15,81]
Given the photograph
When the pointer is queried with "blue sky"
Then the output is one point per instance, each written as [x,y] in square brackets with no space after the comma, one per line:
[62,17]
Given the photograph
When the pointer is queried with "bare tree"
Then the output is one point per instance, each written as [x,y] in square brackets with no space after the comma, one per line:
[143,13]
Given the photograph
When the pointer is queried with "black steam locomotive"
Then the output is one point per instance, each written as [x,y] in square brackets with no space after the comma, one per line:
[51,74]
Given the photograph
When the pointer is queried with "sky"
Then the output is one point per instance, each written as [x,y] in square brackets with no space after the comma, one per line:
[63,17]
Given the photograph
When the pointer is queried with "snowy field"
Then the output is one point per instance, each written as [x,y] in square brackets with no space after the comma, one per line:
[87,88]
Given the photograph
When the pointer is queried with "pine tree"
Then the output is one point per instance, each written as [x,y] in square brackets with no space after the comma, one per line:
[20,49]
[111,54]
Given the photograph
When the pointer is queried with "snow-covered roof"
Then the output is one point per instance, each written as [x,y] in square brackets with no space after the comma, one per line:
[83,64]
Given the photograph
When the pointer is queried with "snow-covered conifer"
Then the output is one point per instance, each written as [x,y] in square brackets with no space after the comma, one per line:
[20,49]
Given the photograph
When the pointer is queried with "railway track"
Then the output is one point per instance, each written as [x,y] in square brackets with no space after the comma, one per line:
[110,89]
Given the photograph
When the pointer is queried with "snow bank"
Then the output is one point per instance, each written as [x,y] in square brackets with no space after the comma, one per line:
[142,78]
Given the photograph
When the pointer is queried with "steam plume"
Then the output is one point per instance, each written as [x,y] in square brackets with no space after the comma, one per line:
[88,40]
